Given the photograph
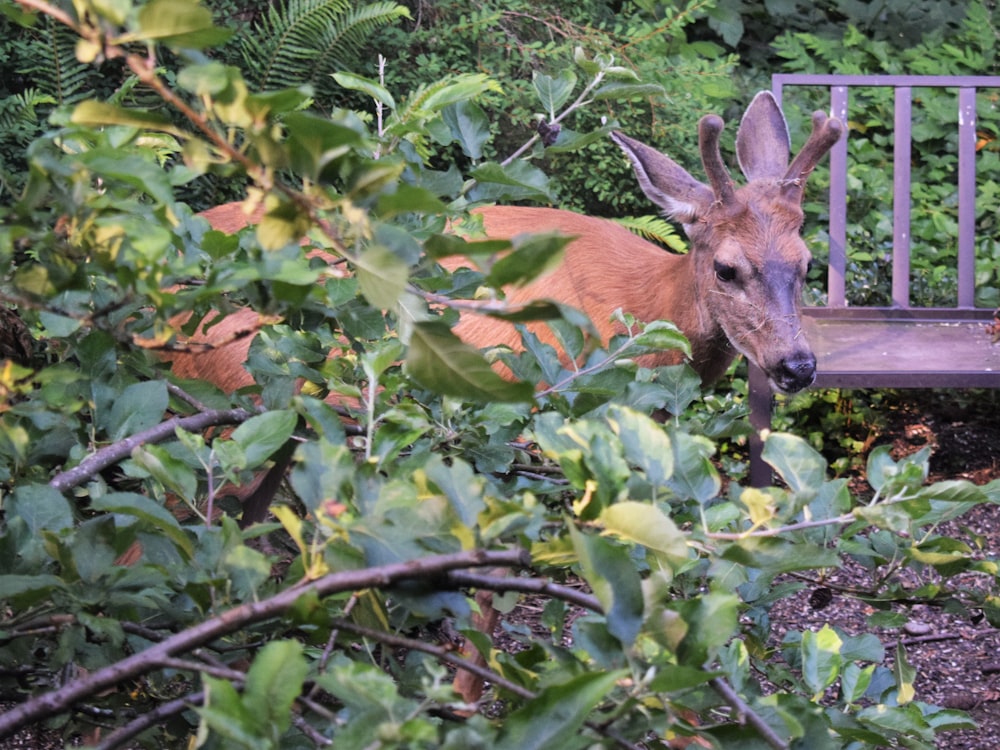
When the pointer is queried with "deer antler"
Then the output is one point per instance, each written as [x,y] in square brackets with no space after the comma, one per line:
[826,132]
[709,130]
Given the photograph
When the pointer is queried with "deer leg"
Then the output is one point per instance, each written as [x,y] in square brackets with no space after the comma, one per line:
[469,686]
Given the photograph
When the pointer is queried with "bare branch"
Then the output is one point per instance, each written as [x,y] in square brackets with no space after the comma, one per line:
[121,450]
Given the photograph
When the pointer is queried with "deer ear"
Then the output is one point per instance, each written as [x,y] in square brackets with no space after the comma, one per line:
[665,182]
[762,143]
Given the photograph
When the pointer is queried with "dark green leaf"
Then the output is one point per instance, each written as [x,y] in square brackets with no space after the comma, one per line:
[147,510]
[551,721]
[534,255]
[138,407]
[519,181]
[439,360]
[470,127]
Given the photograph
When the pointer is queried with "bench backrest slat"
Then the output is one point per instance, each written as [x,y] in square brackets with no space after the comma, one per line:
[903,86]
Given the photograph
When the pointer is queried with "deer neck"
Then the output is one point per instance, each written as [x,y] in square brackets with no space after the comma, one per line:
[673,293]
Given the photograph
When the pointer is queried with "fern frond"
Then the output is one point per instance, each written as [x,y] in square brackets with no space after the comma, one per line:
[304,41]
[655,229]
[57,72]
[21,108]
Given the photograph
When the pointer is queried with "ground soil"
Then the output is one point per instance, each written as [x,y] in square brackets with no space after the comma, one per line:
[956,653]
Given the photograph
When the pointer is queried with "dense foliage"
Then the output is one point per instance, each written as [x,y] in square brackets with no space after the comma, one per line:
[134,600]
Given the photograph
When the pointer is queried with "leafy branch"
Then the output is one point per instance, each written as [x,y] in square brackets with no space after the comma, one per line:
[385,576]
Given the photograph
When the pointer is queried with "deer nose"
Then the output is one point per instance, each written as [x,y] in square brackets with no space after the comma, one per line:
[796,372]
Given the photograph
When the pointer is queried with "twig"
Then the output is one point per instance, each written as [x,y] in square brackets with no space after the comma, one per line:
[527,586]
[746,714]
[140,724]
[443,653]
[121,450]
[61,699]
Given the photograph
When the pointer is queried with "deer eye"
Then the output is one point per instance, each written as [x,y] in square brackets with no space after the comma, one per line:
[725,272]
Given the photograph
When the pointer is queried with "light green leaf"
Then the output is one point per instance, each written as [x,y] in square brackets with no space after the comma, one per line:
[98,114]
[798,463]
[905,674]
[382,276]
[439,360]
[821,659]
[273,682]
[617,91]
[649,526]
[136,171]
[645,443]
[169,471]
[554,92]
[179,23]
[366,86]
[694,475]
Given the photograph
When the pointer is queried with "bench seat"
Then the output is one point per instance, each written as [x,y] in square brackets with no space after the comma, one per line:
[874,347]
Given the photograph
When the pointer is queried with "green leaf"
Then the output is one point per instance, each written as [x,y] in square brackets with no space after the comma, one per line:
[663,335]
[612,576]
[470,127]
[170,471]
[518,181]
[798,463]
[273,682]
[382,276]
[36,587]
[131,169]
[261,435]
[139,407]
[710,622]
[649,526]
[554,92]
[905,674]
[694,474]
[821,659]
[551,721]
[224,713]
[679,386]
[366,86]
[178,23]
[617,91]
[645,443]
[439,360]
[41,507]
[854,681]
[98,114]
[533,256]
[147,510]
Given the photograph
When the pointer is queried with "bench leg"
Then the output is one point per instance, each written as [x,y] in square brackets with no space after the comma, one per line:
[760,419]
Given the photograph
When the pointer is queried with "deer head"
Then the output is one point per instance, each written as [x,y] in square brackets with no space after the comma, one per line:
[749,259]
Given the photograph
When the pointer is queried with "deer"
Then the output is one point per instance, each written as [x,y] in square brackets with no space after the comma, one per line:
[736,291]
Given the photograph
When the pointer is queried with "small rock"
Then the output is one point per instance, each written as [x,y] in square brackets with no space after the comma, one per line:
[916,628]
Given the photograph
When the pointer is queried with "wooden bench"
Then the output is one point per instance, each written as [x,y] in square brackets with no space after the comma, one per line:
[897,346]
